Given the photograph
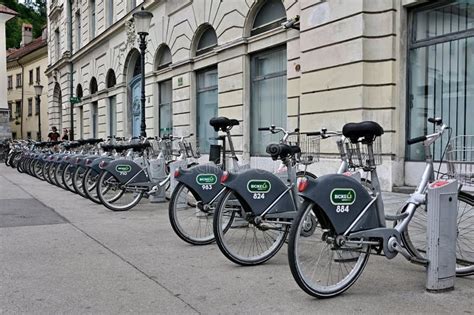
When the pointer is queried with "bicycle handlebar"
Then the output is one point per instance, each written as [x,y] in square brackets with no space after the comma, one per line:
[416,140]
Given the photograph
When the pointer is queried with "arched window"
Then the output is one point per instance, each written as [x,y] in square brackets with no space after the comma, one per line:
[79,91]
[207,41]
[270,15]
[163,57]
[93,86]
[110,79]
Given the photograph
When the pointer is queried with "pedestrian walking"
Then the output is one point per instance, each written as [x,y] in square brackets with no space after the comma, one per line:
[54,134]
[65,135]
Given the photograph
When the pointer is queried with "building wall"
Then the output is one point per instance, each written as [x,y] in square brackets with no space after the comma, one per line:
[29,123]
[345,64]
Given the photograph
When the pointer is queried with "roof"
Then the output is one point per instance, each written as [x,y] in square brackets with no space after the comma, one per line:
[25,50]
[6,10]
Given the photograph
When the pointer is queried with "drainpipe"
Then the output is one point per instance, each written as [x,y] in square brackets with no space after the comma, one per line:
[22,95]
[71,71]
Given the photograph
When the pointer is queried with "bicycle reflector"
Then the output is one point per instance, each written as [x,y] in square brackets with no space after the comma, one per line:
[177,173]
[224,177]
[302,184]
[103,164]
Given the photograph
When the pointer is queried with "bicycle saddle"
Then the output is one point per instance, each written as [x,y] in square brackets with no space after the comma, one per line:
[222,123]
[366,129]
[282,150]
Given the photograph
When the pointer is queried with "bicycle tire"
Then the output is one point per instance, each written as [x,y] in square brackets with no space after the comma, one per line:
[259,250]
[194,226]
[111,203]
[414,237]
[89,183]
[298,242]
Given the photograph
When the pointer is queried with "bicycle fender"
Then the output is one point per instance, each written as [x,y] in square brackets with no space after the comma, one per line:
[341,199]
[204,181]
[127,171]
[95,165]
[257,190]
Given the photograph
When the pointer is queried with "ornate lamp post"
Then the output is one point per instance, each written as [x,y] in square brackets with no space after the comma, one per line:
[38,92]
[142,20]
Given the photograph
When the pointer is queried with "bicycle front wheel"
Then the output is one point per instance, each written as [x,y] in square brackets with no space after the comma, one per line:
[322,268]
[414,237]
[241,238]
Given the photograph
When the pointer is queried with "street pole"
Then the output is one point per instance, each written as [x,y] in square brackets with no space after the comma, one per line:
[38,99]
[142,20]
[143,99]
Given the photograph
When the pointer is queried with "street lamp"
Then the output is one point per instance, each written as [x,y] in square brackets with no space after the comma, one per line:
[38,92]
[142,20]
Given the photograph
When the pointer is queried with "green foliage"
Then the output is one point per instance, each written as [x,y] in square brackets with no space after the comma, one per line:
[34,13]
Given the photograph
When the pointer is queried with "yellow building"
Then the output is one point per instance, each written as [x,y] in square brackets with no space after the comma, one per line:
[25,70]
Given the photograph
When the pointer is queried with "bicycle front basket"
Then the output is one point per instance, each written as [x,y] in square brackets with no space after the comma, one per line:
[460,159]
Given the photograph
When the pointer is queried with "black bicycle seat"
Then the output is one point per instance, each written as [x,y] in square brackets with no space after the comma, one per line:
[222,123]
[366,129]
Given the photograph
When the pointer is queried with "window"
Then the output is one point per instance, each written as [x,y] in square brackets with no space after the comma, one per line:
[28,135]
[37,106]
[110,12]
[18,109]
[268,97]
[164,57]
[10,110]
[95,120]
[10,82]
[79,91]
[38,75]
[206,107]
[31,81]
[19,82]
[78,30]
[165,107]
[110,79]
[57,46]
[38,136]
[441,72]
[14,135]
[270,16]
[207,41]
[112,116]
[92,19]
[93,86]
[30,107]
[80,122]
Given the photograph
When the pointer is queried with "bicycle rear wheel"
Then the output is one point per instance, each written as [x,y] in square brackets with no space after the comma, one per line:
[414,237]
[241,238]
[116,196]
[322,268]
[89,185]
[192,223]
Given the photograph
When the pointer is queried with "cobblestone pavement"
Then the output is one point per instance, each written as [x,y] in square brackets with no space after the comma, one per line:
[60,253]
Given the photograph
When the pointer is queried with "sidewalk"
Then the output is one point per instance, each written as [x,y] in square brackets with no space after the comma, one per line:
[60,253]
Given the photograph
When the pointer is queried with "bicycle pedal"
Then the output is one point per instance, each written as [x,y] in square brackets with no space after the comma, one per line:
[397,217]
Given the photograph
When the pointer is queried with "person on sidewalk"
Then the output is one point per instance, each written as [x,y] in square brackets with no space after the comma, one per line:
[65,136]
[54,134]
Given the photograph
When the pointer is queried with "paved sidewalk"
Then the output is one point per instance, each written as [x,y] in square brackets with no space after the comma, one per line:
[60,253]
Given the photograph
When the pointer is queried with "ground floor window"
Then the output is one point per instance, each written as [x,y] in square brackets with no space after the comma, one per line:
[95,119]
[165,107]
[268,98]
[206,107]
[112,116]
[441,72]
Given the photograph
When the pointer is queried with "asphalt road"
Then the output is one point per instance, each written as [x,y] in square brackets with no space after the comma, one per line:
[60,253]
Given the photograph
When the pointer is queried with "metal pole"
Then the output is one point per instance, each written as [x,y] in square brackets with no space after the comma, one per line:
[143,50]
[38,99]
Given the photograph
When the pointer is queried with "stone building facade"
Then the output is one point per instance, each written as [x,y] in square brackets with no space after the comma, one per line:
[343,61]
[25,69]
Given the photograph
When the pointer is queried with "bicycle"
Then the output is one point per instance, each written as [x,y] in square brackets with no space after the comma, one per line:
[253,216]
[350,220]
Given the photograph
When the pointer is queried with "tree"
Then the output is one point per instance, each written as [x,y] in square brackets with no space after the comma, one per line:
[34,13]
